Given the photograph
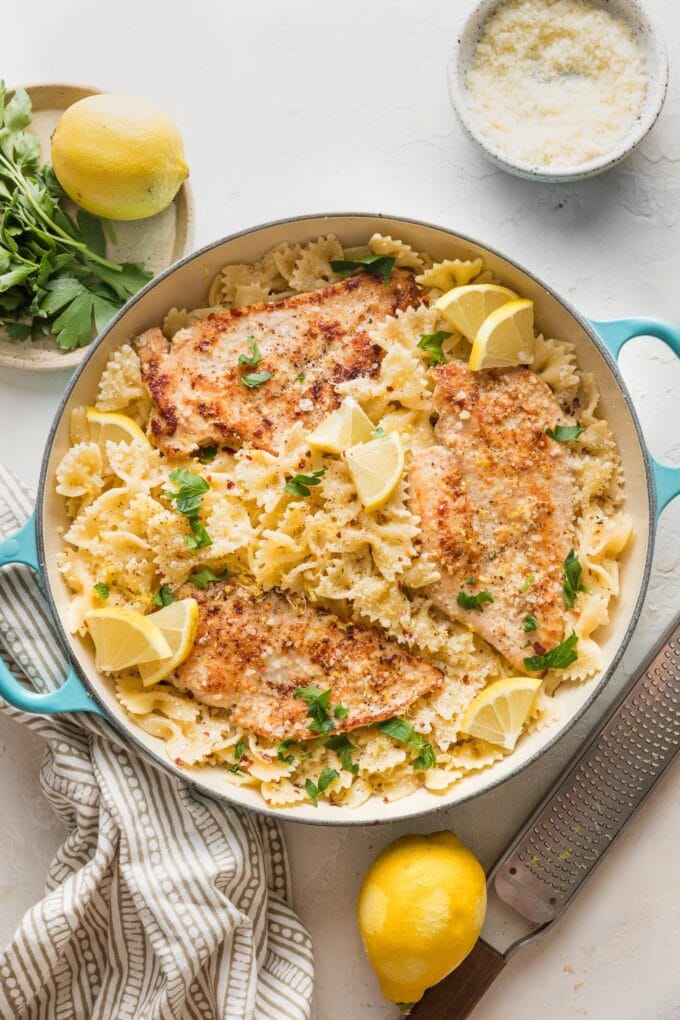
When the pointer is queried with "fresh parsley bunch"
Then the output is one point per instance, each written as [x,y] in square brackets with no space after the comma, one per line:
[54,276]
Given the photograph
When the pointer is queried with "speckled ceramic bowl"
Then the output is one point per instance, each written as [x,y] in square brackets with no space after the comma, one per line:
[650,40]
[156,242]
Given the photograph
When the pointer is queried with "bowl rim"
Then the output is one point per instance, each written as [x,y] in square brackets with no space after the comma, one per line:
[657,89]
[126,731]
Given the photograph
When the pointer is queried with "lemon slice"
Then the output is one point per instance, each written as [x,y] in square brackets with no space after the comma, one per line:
[345,427]
[376,469]
[124,638]
[466,308]
[105,425]
[178,624]
[499,712]
[505,338]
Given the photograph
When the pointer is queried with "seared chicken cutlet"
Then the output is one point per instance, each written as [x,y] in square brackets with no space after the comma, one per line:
[252,653]
[496,503]
[308,343]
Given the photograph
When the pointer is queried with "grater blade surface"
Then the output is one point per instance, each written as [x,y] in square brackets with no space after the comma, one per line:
[599,792]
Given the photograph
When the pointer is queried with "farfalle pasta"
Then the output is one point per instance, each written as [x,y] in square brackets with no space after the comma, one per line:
[326,549]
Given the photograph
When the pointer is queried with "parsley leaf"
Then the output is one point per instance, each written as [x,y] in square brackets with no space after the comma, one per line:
[163,596]
[199,537]
[252,359]
[299,485]
[207,453]
[235,769]
[376,265]
[572,579]
[283,748]
[317,707]
[239,750]
[340,712]
[404,732]
[530,623]
[379,432]
[557,658]
[431,343]
[343,746]
[191,489]
[204,576]
[254,379]
[564,433]
[469,580]
[477,601]
[325,779]
[528,583]
[102,590]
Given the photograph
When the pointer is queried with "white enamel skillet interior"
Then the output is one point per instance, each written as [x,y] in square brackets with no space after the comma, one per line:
[185,285]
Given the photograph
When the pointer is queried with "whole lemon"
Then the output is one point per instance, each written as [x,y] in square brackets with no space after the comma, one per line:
[118,156]
[421,908]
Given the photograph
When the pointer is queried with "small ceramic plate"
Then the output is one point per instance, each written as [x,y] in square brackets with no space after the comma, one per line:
[156,242]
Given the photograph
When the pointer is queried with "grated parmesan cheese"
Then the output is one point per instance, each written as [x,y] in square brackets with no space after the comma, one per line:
[555,82]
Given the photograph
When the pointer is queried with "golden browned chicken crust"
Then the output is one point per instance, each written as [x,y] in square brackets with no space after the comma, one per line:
[252,653]
[309,343]
[496,503]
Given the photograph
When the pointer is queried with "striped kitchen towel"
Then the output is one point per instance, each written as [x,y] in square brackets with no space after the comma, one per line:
[161,903]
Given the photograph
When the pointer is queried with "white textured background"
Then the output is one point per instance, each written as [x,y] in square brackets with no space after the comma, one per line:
[309,107]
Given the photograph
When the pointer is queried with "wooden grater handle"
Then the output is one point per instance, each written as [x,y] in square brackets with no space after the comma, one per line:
[456,996]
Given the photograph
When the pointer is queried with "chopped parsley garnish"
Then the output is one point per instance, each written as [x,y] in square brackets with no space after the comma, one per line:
[301,378]
[477,601]
[239,750]
[207,453]
[102,590]
[317,707]
[202,578]
[252,359]
[314,790]
[340,712]
[376,265]
[404,732]
[343,746]
[254,379]
[572,579]
[199,537]
[564,433]
[235,769]
[379,432]
[282,749]
[528,583]
[300,485]
[530,623]
[557,658]
[470,580]
[431,343]
[190,491]
[163,596]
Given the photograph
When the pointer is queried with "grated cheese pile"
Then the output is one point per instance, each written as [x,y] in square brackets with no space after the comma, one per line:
[555,82]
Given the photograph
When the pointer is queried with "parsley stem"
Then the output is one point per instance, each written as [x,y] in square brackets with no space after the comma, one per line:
[65,238]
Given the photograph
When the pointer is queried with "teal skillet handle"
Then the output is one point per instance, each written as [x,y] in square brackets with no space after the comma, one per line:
[71,696]
[614,335]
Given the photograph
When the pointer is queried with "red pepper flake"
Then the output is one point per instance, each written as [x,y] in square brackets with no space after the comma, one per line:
[538,648]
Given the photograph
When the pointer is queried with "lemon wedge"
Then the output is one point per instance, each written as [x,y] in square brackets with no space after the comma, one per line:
[376,468]
[505,338]
[124,638]
[499,712]
[105,425]
[466,308]
[178,624]
[342,428]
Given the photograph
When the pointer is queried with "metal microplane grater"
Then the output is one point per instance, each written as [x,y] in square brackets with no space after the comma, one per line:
[568,835]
